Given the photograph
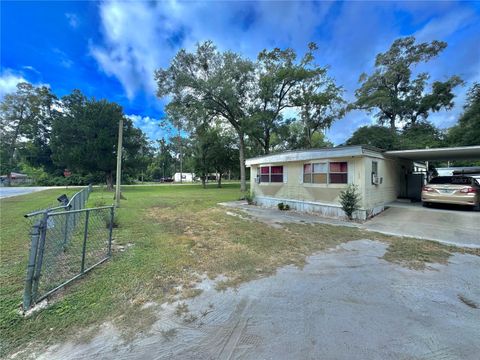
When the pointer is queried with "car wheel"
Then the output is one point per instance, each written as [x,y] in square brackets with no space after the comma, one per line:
[476,207]
[425,204]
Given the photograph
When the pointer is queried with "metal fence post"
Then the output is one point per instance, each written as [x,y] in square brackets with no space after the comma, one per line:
[65,231]
[27,294]
[85,236]
[110,229]
[41,248]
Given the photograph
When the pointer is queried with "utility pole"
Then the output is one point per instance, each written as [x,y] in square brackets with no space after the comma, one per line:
[119,163]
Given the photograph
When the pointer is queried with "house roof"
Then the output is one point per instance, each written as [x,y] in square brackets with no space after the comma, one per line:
[302,155]
[15,175]
[450,153]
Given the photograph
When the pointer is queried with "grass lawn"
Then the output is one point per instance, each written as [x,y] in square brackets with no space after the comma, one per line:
[167,237]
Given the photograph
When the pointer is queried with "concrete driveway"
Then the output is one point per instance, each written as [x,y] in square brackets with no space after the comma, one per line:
[450,225]
[347,303]
[20,190]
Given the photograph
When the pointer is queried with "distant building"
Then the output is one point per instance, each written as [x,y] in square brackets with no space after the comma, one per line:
[15,179]
[184,177]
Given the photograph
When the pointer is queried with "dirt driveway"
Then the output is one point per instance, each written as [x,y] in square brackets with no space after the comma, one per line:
[346,303]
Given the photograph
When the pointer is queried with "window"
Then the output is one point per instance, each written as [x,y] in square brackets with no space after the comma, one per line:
[374,172]
[315,173]
[323,173]
[271,174]
[338,173]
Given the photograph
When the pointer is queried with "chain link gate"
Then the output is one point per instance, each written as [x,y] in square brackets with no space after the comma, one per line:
[66,242]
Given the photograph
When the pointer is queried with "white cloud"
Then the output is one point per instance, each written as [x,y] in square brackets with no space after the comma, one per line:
[139,37]
[63,58]
[73,20]
[10,78]
[8,82]
[440,28]
[151,126]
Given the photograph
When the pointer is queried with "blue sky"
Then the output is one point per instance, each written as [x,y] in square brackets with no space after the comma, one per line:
[110,49]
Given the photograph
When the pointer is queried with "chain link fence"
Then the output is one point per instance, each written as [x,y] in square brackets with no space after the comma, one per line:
[66,242]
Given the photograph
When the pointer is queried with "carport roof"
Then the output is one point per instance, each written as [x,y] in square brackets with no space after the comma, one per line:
[451,153]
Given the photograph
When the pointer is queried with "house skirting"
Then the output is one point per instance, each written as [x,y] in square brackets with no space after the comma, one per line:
[327,210]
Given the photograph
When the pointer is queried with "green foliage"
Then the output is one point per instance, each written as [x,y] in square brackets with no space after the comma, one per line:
[467,131]
[283,207]
[250,198]
[375,135]
[295,136]
[25,124]
[392,92]
[208,84]
[85,136]
[413,136]
[350,200]
[421,135]
[283,82]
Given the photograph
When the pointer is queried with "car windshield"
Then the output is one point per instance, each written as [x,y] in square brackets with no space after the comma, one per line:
[454,180]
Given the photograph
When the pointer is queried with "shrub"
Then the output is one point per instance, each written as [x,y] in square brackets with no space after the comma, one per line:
[250,198]
[286,207]
[350,200]
[281,206]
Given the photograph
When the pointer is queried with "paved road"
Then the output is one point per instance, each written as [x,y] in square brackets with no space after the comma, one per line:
[15,191]
[456,226]
[347,303]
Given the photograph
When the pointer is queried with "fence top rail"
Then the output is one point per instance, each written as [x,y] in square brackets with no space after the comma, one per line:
[79,210]
[69,205]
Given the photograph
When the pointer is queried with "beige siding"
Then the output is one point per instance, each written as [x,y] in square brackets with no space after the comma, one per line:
[294,188]
[392,172]
[387,191]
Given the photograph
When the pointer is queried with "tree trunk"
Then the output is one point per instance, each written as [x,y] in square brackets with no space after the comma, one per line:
[392,124]
[219,183]
[243,182]
[266,148]
[203,182]
[109,178]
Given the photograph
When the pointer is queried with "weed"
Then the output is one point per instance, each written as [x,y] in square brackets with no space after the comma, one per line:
[169,334]
[190,318]
[181,309]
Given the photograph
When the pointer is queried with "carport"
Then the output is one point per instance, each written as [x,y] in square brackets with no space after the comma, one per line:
[438,154]
[414,181]
[458,227]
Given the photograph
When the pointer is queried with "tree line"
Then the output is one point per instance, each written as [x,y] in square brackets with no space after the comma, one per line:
[44,136]
[255,99]
[227,107]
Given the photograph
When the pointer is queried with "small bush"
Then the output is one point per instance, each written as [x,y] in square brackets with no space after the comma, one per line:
[107,219]
[99,203]
[281,206]
[250,198]
[286,207]
[350,200]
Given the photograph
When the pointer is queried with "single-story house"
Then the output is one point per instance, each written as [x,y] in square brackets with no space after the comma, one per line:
[311,180]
